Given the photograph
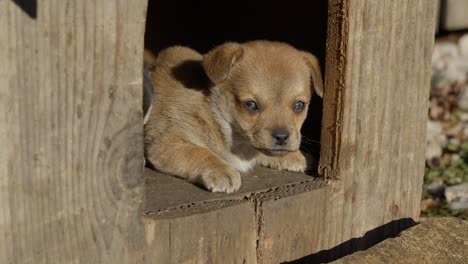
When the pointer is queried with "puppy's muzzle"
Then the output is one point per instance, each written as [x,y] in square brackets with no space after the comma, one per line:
[280,137]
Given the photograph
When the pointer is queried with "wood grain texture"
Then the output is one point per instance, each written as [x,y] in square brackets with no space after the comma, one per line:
[226,235]
[375,111]
[71,132]
[436,240]
[171,197]
[291,227]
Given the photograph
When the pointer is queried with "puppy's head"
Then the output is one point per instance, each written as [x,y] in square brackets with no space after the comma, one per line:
[269,86]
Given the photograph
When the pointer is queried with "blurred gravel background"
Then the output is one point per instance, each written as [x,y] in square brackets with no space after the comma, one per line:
[445,190]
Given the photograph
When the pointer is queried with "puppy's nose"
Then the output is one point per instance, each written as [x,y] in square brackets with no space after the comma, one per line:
[280,137]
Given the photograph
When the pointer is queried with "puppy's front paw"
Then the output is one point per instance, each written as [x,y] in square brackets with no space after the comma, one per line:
[225,180]
[294,161]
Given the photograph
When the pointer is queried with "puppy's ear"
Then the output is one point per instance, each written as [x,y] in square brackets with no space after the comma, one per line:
[316,75]
[219,61]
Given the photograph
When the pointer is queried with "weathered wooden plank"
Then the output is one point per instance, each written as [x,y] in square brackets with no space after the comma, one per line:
[375,110]
[291,227]
[170,197]
[438,240]
[71,131]
[186,224]
[226,235]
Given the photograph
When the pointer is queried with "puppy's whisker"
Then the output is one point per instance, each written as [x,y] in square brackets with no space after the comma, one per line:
[303,148]
[307,140]
[309,144]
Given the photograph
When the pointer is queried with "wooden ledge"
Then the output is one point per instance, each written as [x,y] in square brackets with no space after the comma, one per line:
[184,223]
[168,196]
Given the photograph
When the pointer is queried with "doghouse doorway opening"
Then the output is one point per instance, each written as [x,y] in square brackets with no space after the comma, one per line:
[202,25]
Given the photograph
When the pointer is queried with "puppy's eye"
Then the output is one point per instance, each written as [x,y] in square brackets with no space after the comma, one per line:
[298,106]
[251,106]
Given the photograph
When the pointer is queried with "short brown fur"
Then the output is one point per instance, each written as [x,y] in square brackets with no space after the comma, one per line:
[199,127]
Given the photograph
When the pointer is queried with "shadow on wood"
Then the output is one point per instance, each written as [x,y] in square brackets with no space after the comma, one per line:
[370,238]
[28,6]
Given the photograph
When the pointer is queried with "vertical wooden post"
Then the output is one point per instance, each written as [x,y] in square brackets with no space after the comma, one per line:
[374,123]
[71,131]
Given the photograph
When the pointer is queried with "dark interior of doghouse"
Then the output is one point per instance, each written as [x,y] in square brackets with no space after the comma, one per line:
[202,25]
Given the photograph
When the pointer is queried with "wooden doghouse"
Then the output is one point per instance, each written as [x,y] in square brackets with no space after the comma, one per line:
[73,187]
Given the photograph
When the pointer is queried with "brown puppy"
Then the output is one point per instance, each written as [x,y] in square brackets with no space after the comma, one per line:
[237,106]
